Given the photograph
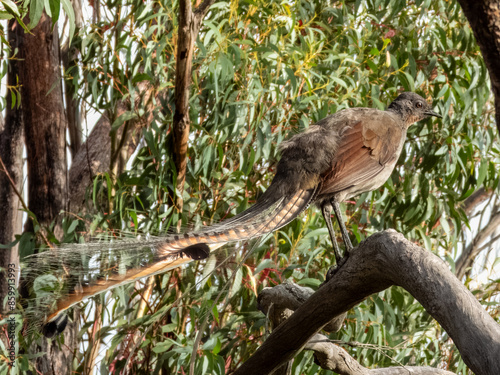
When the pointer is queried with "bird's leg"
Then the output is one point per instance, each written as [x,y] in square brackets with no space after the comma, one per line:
[326,210]
[345,235]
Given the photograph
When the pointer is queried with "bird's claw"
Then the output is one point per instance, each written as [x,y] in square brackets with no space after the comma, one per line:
[334,269]
[330,273]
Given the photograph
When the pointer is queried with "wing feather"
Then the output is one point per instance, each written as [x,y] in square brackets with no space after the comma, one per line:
[365,149]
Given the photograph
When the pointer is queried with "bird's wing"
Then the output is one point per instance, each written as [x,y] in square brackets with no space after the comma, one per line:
[365,149]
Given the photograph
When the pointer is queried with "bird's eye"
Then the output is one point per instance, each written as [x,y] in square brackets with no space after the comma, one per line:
[419,105]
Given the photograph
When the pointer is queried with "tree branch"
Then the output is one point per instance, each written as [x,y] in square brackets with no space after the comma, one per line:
[332,357]
[475,199]
[382,260]
[189,25]
[469,254]
[279,302]
[201,11]
[94,156]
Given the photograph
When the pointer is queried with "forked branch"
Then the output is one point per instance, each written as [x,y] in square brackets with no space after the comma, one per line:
[279,302]
[382,260]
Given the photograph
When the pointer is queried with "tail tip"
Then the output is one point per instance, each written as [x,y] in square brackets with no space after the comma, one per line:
[55,327]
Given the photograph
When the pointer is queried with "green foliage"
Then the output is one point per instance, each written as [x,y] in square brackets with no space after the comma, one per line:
[11,10]
[53,9]
[21,11]
[263,71]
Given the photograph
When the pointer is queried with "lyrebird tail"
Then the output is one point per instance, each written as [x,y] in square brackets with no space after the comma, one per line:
[95,267]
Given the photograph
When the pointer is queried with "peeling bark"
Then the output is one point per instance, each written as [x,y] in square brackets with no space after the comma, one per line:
[382,260]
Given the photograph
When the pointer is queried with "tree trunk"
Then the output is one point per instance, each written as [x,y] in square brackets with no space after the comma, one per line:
[183,66]
[11,153]
[483,16]
[72,103]
[44,122]
[45,137]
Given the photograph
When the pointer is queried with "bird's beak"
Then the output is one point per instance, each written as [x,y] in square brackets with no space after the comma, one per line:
[432,113]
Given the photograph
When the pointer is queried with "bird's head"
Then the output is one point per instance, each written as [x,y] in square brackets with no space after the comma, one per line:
[412,108]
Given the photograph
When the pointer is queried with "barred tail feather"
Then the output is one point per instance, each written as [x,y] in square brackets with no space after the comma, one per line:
[269,216]
[115,280]
[109,265]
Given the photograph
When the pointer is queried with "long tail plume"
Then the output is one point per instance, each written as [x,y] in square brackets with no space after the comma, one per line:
[95,267]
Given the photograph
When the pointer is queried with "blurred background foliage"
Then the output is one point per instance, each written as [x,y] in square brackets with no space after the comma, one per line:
[264,70]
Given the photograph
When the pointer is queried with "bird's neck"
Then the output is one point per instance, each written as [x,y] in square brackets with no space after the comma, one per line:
[407,118]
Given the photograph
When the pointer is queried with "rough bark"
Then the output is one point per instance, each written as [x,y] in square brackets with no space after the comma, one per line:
[11,154]
[45,139]
[44,122]
[72,103]
[189,25]
[279,302]
[484,19]
[332,357]
[382,260]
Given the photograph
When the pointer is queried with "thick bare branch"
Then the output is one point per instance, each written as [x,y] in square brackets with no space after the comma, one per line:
[478,197]
[332,357]
[279,303]
[382,260]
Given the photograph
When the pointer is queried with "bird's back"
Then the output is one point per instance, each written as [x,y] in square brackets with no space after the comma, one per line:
[346,152]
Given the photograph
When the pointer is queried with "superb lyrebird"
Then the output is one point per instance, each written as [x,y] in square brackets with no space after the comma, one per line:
[343,155]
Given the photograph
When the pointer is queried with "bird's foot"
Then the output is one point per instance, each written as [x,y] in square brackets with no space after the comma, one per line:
[330,273]
[334,269]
